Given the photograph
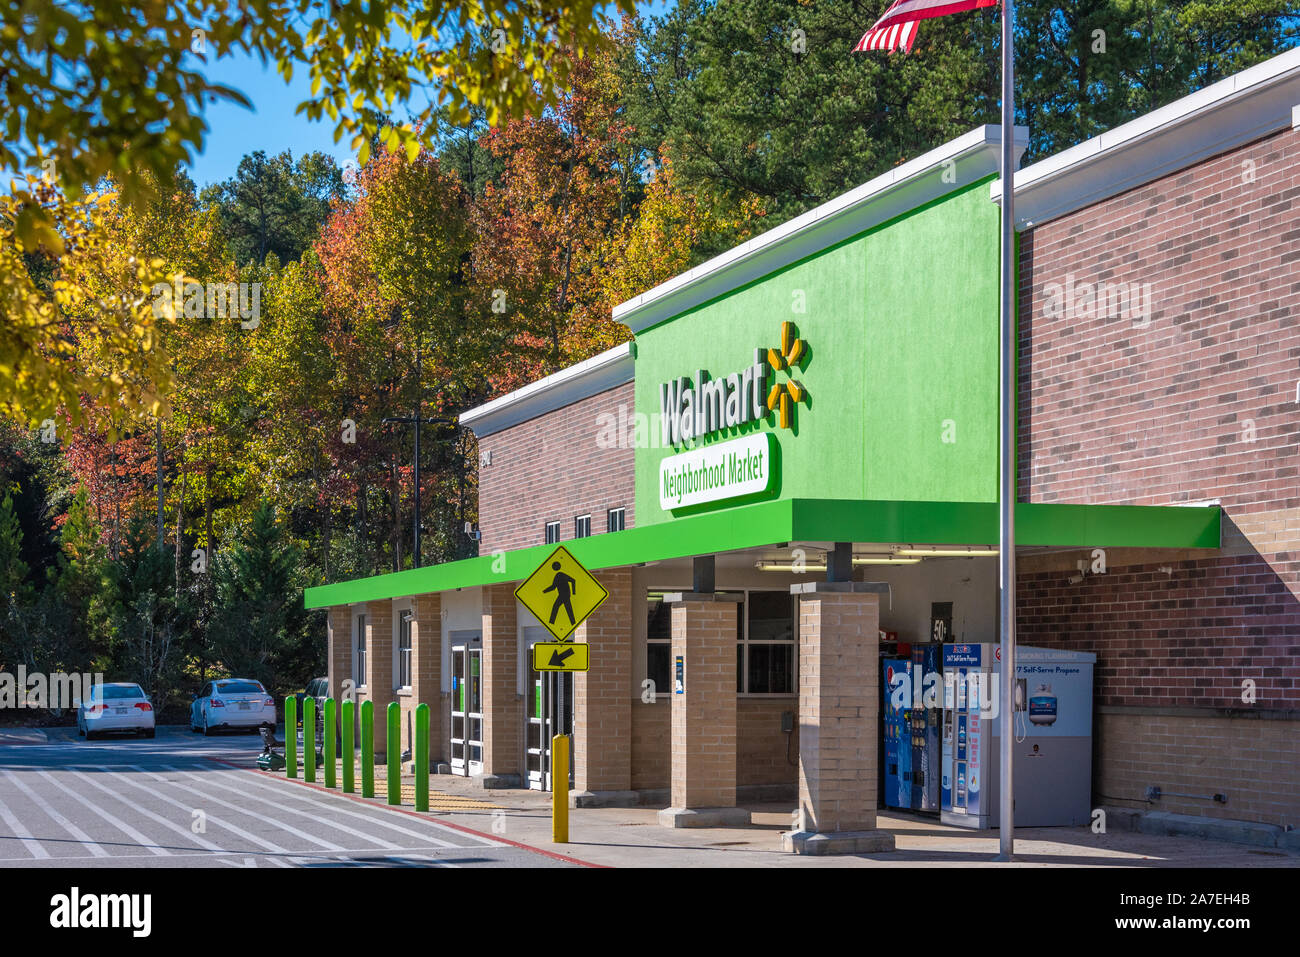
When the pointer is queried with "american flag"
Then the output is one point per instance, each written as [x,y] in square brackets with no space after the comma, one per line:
[896,29]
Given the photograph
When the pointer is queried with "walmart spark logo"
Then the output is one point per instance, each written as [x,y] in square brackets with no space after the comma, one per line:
[784,394]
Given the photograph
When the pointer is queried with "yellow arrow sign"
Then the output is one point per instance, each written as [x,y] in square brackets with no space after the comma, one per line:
[561,656]
[561,593]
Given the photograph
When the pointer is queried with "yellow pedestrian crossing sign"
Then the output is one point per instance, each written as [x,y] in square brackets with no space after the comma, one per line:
[561,593]
[561,656]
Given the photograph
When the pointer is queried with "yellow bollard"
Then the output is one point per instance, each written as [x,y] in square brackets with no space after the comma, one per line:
[560,789]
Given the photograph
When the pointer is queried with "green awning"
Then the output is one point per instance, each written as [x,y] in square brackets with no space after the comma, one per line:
[810,520]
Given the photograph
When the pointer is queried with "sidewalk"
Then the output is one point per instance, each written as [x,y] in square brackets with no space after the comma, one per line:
[632,837]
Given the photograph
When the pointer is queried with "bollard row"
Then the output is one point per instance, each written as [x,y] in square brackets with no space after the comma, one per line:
[341,732]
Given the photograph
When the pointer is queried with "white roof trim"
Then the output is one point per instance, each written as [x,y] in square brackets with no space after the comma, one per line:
[904,188]
[590,377]
[1242,108]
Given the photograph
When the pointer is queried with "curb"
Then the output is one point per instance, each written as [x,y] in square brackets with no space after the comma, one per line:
[1226,830]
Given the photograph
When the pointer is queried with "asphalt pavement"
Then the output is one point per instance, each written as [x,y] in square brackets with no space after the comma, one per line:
[183,800]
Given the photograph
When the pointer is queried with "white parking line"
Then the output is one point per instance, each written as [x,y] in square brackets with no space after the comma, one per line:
[241,858]
[211,782]
[156,818]
[116,822]
[23,834]
[189,810]
[266,819]
[81,836]
[338,799]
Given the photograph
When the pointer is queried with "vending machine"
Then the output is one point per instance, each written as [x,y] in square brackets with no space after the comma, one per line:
[894,725]
[912,696]
[925,719]
[1049,732]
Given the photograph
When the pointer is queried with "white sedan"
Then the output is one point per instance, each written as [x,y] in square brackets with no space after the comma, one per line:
[232,703]
[115,707]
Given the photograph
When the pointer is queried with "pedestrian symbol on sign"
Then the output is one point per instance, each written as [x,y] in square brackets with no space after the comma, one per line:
[561,594]
[563,586]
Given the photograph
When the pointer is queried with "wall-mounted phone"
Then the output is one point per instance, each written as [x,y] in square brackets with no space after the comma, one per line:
[1022,693]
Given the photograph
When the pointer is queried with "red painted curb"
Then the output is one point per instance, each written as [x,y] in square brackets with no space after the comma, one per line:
[416,814]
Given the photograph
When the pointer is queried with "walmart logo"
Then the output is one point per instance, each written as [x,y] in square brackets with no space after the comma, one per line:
[785,394]
[694,408]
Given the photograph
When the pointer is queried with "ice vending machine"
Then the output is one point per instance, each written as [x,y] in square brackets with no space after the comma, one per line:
[1050,734]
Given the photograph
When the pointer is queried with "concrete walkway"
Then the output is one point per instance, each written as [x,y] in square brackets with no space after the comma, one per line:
[631,837]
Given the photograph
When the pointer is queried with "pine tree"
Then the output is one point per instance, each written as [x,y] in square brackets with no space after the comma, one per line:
[257,627]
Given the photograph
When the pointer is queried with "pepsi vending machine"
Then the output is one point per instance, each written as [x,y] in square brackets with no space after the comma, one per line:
[894,726]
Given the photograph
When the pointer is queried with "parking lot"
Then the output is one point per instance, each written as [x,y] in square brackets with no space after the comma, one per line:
[181,800]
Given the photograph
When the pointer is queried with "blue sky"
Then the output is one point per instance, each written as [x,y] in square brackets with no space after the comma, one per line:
[271,125]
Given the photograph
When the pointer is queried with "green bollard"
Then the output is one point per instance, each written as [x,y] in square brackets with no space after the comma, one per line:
[349,752]
[422,758]
[393,751]
[291,736]
[309,740]
[368,749]
[331,766]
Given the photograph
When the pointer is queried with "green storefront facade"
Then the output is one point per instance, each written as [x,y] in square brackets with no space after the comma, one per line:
[874,321]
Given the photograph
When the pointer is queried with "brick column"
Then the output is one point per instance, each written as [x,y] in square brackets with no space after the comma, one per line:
[602,707]
[503,705]
[426,670]
[704,715]
[338,655]
[839,724]
[379,667]
[426,667]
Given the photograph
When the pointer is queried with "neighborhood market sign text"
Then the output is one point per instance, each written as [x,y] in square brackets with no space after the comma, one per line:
[725,470]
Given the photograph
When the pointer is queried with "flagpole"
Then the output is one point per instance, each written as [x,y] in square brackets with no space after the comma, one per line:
[1006,446]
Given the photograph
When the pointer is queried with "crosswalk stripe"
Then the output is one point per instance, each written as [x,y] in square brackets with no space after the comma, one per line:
[337,799]
[156,818]
[264,818]
[24,835]
[116,822]
[82,837]
[282,807]
[220,822]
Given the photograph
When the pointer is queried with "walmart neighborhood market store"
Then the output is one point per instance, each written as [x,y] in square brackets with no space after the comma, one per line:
[789,476]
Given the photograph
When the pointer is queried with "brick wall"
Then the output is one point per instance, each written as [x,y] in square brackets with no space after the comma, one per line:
[602,714]
[652,727]
[426,662]
[1113,413]
[1254,763]
[1194,401]
[761,745]
[551,469]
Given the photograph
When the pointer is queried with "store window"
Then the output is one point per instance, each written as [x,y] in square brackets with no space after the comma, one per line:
[582,526]
[765,654]
[659,643]
[765,641]
[404,649]
[552,532]
[617,519]
[359,652]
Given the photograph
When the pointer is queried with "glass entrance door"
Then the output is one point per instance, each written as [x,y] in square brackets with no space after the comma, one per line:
[467,707]
[544,688]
